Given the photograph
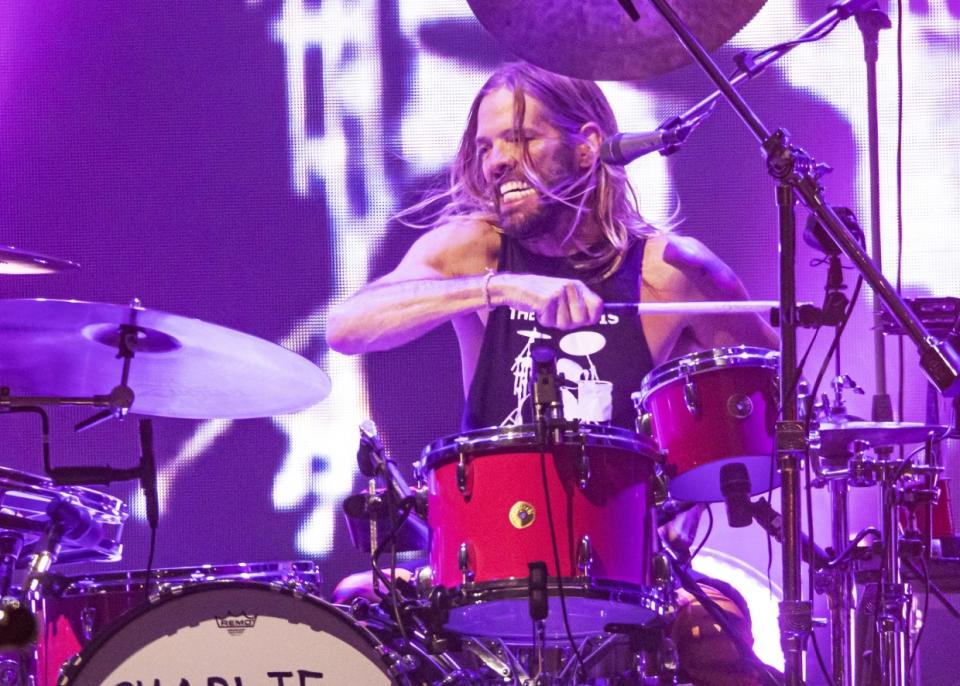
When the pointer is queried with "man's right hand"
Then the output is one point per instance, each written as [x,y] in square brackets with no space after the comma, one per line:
[557,303]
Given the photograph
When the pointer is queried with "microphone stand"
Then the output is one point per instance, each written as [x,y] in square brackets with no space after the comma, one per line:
[796,175]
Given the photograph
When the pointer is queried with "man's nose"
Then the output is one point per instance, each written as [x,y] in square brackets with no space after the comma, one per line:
[502,159]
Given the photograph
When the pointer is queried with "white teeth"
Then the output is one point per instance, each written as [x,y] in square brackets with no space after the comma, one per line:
[513,186]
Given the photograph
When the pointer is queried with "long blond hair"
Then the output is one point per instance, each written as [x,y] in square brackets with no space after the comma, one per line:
[602,191]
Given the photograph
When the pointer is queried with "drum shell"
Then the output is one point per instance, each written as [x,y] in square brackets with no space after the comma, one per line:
[614,509]
[215,615]
[77,609]
[698,442]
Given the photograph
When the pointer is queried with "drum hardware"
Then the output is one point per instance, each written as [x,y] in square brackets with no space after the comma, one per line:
[544,384]
[584,556]
[462,468]
[583,464]
[463,563]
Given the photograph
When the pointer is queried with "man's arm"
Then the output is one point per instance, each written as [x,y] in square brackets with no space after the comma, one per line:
[691,272]
[442,277]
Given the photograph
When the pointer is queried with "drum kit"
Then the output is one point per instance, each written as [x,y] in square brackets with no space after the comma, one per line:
[495,509]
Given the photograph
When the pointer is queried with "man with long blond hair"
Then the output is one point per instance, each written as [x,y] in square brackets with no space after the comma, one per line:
[533,234]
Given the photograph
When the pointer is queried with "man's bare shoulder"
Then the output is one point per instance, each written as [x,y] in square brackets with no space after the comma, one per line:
[459,247]
[682,266]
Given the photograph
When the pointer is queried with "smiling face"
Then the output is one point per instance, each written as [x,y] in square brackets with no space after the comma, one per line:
[521,191]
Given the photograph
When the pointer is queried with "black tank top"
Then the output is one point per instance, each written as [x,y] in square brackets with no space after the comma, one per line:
[615,349]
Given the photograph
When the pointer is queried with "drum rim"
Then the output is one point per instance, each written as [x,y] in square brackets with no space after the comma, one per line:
[576,587]
[74,668]
[704,361]
[74,586]
[17,480]
[488,439]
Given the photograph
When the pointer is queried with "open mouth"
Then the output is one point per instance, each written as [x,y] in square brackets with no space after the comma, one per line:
[515,191]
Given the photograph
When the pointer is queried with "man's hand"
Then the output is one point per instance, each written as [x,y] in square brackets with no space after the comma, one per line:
[560,303]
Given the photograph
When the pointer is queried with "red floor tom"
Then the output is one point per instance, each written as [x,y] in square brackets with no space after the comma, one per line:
[489,512]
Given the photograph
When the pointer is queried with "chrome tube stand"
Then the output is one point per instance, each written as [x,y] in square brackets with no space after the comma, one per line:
[895,596]
[871,20]
[842,595]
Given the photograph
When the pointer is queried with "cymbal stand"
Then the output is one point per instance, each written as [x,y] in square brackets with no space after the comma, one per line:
[797,175]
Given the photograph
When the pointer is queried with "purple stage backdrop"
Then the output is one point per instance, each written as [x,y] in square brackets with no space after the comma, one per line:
[239,162]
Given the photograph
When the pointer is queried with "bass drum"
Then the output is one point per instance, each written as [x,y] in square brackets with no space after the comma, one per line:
[234,632]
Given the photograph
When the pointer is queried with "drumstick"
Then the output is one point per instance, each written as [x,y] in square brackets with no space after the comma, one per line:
[704,307]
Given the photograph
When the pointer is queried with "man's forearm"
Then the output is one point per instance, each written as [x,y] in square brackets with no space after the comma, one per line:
[382,316]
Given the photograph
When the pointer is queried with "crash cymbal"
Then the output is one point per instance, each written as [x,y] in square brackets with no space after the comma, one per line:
[181,367]
[596,39]
[836,438]
[18,261]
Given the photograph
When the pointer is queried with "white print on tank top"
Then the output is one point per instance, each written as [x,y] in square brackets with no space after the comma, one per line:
[578,344]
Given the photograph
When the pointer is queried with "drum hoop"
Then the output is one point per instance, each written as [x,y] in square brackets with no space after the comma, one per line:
[705,361]
[14,481]
[580,587]
[84,585]
[75,667]
[496,438]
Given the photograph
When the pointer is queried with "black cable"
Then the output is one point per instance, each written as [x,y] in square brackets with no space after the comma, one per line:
[706,535]
[787,45]
[148,574]
[556,560]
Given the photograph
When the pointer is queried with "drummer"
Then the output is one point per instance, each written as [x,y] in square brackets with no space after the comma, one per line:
[533,234]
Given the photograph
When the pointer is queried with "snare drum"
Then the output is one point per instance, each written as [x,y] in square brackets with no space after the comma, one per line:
[714,408]
[239,632]
[23,503]
[77,609]
[488,516]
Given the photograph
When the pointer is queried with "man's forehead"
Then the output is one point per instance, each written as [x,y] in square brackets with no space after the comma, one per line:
[497,107]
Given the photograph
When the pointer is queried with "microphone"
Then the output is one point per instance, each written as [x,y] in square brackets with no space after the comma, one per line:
[624,148]
[735,487]
[771,521]
[545,391]
[372,460]
[148,473]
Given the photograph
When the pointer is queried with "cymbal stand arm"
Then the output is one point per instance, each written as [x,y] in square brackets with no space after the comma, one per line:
[752,67]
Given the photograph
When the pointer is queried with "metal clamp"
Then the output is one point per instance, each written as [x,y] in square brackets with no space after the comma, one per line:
[463,562]
[462,466]
[690,397]
[583,463]
[584,556]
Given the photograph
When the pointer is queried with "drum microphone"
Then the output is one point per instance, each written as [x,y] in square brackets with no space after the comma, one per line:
[372,460]
[771,521]
[148,474]
[735,487]
[623,148]
[545,391]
